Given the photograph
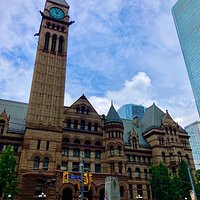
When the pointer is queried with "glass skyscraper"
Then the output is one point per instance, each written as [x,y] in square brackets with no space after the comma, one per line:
[186,15]
[128,111]
[194,133]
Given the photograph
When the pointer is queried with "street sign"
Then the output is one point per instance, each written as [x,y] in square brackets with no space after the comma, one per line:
[74,177]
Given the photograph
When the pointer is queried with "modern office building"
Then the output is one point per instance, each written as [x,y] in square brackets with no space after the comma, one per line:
[128,111]
[194,133]
[186,15]
[50,141]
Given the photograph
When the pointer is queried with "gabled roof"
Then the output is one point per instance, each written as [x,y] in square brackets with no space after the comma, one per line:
[61,2]
[82,101]
[113,116]
[17,112]
[152,118]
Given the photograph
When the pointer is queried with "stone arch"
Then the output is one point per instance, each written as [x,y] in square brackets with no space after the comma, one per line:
[67,185]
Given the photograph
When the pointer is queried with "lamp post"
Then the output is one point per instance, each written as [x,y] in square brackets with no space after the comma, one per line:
[185,198]
[139,197]
[42,196]
[9,196]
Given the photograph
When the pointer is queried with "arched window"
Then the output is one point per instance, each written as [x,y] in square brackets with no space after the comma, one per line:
[171,157]
[53,44]
[46,41]
[170,130]
[163,157]
[46,163]
[36,163]
[87,142]
[137,173]
[89,126]
[83,110]
[68,123]
[179,156]
[129,172]
[87,111]
[97,143]
[187,158]
[77,109]
[121,191]
[65,141]
[134,142]
[145,174]
[111,151]
[60,45]
[82,127]
[2,126]
[75,124]
[1,147]
[120,167]
[119,150]
[95,127]
[77,141]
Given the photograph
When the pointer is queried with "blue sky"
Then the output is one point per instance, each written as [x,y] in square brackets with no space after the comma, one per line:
[125,51]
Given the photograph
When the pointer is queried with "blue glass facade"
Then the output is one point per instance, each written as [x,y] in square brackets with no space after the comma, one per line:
[186,15]
[128,111]
[194,133]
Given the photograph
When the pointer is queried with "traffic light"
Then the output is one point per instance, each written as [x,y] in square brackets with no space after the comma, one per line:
[85,178]
[89,181]
[90,178]
[65,177]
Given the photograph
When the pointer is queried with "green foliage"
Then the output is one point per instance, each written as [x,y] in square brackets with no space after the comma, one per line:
[197,184]
[168,187]
[185,185]
[8,179]
[160,182]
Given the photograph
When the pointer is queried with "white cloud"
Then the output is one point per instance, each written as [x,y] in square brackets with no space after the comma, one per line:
[14,83]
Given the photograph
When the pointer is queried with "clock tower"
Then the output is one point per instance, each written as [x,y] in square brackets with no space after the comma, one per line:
[41,152]
[48,86]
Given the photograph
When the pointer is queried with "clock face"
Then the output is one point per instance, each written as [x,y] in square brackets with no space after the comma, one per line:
[56,13]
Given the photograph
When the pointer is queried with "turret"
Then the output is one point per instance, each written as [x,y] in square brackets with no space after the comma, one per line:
[114,143]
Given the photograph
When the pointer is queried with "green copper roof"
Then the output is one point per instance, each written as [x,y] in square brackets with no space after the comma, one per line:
[17,112]
[152,118]
[61,2]
[113,116]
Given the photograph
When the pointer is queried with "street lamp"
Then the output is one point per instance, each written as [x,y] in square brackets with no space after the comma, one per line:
[185,198]
[139,197]
[42,196]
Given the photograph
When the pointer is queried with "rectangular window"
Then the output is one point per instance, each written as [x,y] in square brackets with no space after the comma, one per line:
[130,191]
[139,190]
[97,168]
[75,166]
[64,166]
[38,144]
[87,153]
[65,151]
[38,190]
[47,146]
[98,154]
[76,152]
[112,167]
[87,167]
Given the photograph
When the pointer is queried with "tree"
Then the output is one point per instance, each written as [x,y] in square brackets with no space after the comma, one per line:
[197,184]
[160,182]
[8,178]
[185,185]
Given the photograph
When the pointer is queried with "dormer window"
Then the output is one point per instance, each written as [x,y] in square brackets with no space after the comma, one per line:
[2,126]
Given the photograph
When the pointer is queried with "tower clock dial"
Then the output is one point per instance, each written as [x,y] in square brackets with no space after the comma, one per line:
[56,13]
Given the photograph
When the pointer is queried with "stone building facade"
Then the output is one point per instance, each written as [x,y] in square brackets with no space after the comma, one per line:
[49,138]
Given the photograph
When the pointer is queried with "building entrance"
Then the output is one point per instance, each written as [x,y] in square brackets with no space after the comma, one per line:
[101,194]
[67,194]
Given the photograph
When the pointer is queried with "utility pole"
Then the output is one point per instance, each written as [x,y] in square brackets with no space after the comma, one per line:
[191,180]
[82,174]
